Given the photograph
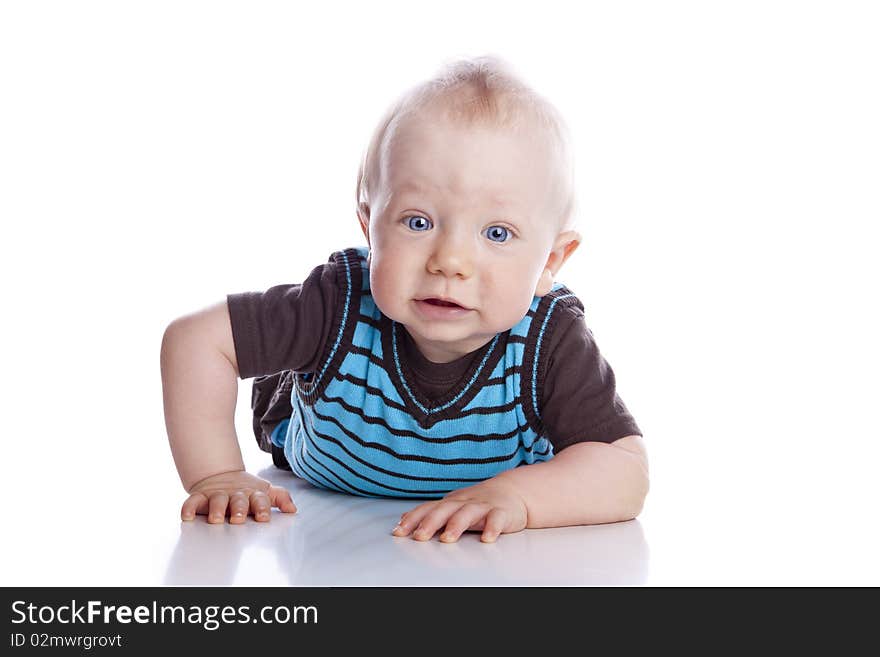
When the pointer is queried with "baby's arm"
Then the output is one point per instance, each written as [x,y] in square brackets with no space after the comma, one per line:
[586,483]
[200,387]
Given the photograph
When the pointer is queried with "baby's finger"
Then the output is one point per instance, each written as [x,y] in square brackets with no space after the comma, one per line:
[195,503]
[260,506]
[280,497]
[217,507]
[411,519]
[435,519]
[463,519]
[495,522]
[238,508]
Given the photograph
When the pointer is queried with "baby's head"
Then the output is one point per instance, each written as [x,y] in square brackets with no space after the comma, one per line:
[466,194]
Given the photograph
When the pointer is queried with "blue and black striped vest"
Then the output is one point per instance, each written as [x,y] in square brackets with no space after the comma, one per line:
[359,426]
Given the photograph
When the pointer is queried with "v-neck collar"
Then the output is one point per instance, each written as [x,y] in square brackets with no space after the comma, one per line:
[469,371]
[426,370]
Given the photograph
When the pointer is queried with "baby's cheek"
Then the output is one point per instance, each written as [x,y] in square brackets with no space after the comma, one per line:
[510,305]
[386,294]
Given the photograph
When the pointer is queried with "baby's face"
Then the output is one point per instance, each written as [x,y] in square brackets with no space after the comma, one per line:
[462,213]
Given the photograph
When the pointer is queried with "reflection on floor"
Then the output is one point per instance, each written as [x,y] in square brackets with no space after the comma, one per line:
[342,540]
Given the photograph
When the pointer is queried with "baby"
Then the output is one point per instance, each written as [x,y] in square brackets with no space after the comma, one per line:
[443,361]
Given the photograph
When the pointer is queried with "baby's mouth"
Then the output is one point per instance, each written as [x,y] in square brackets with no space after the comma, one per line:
[438,302]
[442,303]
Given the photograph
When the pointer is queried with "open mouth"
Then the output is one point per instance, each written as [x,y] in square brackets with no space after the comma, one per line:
[438,302]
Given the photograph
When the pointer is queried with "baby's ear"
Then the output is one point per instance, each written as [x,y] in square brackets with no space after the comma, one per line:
[363,214]
[563,247]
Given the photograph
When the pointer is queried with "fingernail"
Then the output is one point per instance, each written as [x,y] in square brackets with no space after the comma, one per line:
[445,537]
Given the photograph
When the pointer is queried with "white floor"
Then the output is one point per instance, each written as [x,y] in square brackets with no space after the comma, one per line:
[340,540]
[122,530]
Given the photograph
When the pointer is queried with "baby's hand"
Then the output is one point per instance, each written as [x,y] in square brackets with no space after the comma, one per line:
[240,493]
[492,506]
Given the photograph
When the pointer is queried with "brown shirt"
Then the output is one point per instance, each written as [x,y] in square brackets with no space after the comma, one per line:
[287,326]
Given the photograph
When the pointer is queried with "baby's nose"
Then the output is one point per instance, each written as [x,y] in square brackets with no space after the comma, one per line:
[451,259]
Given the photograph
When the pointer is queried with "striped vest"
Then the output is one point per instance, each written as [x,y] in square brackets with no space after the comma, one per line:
[358,426]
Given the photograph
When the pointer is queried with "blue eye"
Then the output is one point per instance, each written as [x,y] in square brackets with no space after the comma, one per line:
[419,223]
[498,233]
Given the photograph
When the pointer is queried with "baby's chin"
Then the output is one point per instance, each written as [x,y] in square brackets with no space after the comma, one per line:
[459,338]
[476,326]
[445,349]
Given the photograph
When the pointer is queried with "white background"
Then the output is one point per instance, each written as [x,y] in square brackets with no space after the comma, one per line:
[156,156]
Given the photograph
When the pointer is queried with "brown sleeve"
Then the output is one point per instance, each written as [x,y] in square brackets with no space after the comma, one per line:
[285,327]
[579,401]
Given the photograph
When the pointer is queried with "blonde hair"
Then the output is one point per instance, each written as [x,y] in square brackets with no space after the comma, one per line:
[476,91]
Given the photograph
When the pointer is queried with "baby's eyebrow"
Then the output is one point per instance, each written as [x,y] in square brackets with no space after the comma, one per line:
[499,199]
[405,187]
